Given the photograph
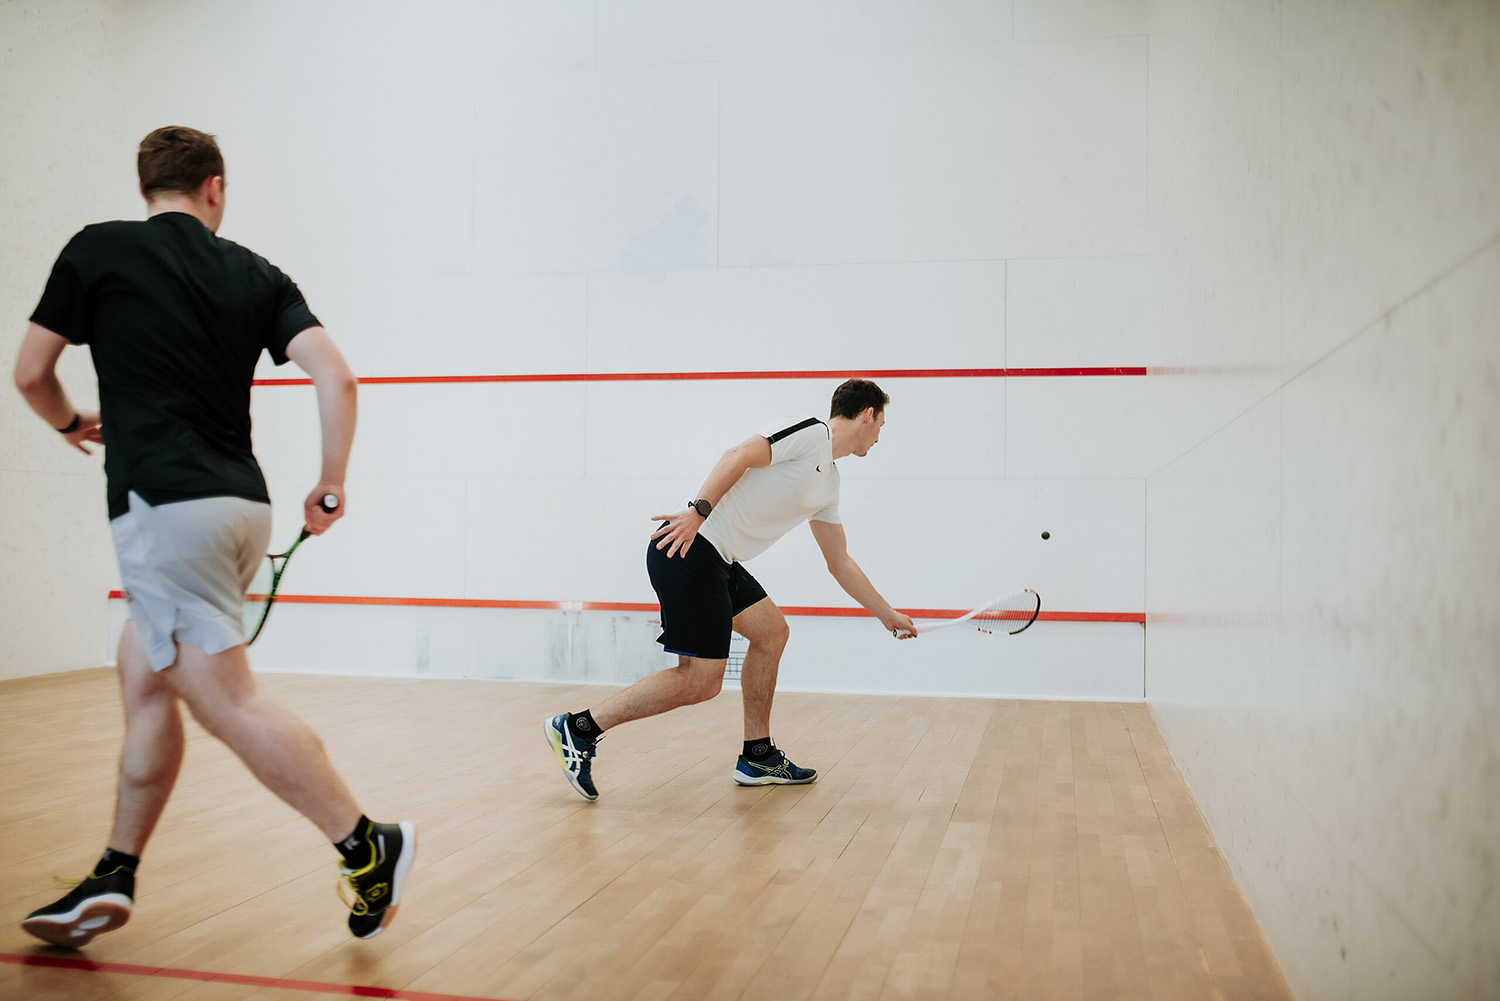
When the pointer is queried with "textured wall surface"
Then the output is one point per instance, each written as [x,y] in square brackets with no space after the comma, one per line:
[1321,518]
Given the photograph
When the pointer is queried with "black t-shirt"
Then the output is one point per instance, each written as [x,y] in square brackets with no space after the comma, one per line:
[176,319]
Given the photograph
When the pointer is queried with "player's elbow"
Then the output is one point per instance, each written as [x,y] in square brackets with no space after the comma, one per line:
[338,380]
[29,378]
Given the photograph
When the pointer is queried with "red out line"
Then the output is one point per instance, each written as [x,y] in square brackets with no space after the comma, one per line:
[888,373]
[828,611]
[311,986]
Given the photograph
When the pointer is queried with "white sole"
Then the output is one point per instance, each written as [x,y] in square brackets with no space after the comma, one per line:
[79,927]
[770,780]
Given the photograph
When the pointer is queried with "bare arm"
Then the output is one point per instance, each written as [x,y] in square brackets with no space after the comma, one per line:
[831,539]
[316,354]
[682,528]
[36,378]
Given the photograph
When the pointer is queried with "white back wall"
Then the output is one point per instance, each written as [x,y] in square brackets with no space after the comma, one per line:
[67,162]
[1323,537]
[592,190]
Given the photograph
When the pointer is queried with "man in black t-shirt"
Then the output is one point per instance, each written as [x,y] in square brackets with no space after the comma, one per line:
[176,319]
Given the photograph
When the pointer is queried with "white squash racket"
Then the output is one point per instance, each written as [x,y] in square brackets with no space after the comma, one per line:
[1011,614]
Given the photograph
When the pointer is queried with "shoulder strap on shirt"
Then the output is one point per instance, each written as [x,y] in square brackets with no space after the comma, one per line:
[774,438]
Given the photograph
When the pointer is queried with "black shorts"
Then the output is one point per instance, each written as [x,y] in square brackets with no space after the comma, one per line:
[700,595]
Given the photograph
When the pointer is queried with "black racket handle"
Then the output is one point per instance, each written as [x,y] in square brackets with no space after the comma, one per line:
[329,503]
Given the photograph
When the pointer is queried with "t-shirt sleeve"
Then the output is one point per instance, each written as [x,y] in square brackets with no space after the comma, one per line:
[831,512]
[793,438]
[291,317]
[64,307]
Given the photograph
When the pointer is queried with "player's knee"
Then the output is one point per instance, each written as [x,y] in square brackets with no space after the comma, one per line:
[774,636]
[703,684]
[707,687]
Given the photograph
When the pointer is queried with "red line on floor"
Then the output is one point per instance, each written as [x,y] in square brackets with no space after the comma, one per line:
[167,972]
[642,606]
[888,373]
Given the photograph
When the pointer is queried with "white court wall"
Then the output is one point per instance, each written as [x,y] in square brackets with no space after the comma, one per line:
[467,189]
[1322,533]
[65,162]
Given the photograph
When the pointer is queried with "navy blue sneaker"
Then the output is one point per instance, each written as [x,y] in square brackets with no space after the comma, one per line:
[96,905]
[776,770]
[573,753]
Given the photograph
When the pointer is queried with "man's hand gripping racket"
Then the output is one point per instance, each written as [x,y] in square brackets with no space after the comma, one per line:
[1011,614]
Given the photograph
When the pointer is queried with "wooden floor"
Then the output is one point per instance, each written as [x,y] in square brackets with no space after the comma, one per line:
[952,848]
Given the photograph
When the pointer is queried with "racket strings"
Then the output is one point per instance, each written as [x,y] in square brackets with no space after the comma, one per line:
[1010,614]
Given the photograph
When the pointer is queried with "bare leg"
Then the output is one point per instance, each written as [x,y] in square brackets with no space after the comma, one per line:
[692,680]
[766,629]
[279,749]
[152,754]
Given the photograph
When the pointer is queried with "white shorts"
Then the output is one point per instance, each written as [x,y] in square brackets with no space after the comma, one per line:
[185,567]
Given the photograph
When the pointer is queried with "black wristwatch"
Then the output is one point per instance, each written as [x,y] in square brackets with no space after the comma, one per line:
[702,506]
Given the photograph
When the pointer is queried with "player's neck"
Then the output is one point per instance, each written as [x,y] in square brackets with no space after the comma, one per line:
[175,202]
[842,429]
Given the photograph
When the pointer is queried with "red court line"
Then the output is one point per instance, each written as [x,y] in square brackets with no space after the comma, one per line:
[641,606]
[167,972]
[886,373]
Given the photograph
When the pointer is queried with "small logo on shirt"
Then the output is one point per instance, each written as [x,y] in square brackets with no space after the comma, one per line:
[820,469]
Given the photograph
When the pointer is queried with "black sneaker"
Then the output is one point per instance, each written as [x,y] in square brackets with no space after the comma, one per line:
[96,905]
[376,886]
[775,770]
[573,753]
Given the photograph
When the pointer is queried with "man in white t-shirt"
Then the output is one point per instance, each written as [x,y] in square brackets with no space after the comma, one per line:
[759,490]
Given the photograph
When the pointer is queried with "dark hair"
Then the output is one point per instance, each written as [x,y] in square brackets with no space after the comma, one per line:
[177,158]
[855,396]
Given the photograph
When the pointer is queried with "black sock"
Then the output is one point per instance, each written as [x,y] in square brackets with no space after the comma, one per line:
[583,725]
[112,860]
[353,847]
[759,749]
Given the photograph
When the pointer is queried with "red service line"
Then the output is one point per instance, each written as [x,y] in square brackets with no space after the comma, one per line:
[206,976]
[887,373]
[828,611]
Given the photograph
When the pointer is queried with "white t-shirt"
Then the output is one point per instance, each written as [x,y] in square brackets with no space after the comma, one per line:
[801,484]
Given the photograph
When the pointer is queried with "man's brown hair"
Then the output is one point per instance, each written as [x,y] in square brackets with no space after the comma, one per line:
[855,396]
[177,158]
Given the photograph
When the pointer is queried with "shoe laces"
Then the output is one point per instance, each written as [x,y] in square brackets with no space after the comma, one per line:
[73,884]
[347,881]
[586,750]
[357,906]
